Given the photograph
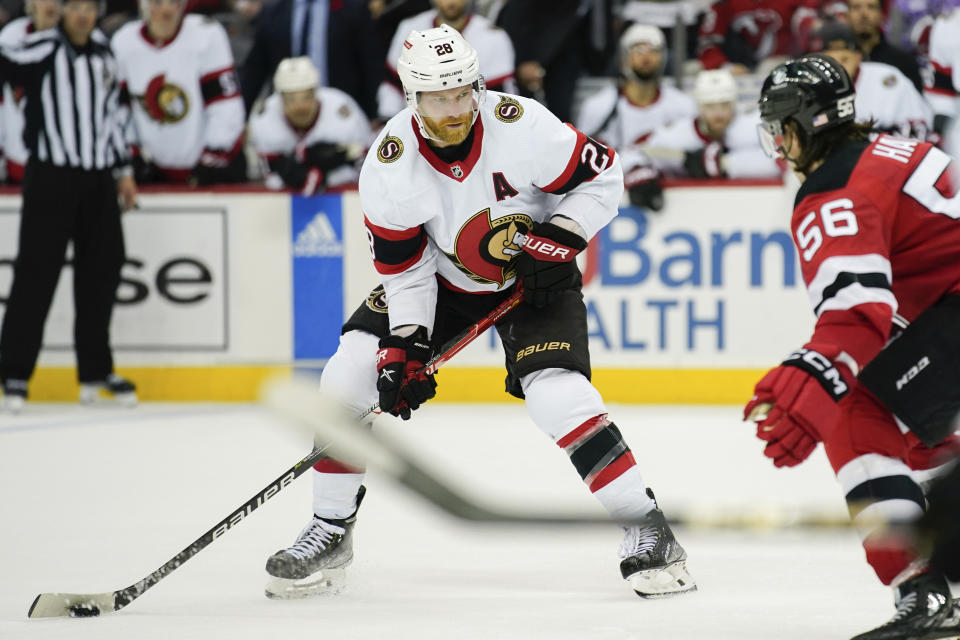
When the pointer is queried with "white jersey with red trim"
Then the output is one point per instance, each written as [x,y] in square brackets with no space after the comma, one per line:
[494,50]
[943,94]
[461,222]
[340,120]
[610,117]
[886,95]
[744,157]
[184,92]
[945,60]
[12,116]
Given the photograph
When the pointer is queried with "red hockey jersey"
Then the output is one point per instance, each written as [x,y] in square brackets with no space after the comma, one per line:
[877,229]
[768,27]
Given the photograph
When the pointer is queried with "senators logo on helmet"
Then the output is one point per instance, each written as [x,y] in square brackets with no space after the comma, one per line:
[484,248]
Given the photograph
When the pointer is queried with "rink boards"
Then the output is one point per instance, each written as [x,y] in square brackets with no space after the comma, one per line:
[222,289]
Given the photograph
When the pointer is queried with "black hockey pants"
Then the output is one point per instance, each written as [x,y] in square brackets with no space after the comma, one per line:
[61,204]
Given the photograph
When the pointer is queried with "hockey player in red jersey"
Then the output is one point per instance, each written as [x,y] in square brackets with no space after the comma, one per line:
[741,33]
[877,229]
[467,193]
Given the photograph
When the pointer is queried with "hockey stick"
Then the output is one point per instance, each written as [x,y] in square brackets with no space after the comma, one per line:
[82,605]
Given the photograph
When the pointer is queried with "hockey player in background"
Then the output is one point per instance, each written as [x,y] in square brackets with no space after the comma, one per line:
[943,91]
[877,229]
[718,142]
[467,194]
[41,15]
[884,95]
[625,119]
[308,137]
[493,45]
[188,113]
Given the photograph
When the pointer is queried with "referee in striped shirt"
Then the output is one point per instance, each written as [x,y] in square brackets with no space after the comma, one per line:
[77,175]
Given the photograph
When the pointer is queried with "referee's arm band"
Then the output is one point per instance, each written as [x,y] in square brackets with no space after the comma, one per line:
[123,171]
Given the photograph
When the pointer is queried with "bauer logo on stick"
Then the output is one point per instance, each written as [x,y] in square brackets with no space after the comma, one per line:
[390,149]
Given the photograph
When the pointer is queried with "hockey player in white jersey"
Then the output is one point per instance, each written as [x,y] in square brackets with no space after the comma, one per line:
[718,143]
[493,45]
[884,94]
[308,137]
[466,195]
[624,119]
[188,113]
[41,15]
[942,93]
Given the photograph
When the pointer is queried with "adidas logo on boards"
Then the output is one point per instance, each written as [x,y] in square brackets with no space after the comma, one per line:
[318,239]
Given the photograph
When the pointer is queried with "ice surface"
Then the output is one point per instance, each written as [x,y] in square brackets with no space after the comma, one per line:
[94,499]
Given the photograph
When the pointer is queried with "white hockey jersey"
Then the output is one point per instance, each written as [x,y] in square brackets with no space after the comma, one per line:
[339,121]
[611,118]
[12,109]
[184,92]
[429,220]
[886,95]
[745,157]
[494,50]
[942,94]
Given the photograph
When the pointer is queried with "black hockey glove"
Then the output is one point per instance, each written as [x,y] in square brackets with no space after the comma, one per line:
[325,156]
[706,162]
[291,171]
[547,265]
[644,187]
[401,388]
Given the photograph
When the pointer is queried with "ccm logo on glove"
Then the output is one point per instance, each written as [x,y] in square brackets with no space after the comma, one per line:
[821,368]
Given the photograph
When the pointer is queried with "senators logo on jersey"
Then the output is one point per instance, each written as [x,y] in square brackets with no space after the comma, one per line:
[508,110]
[390,149]
[164,102]
[484,248]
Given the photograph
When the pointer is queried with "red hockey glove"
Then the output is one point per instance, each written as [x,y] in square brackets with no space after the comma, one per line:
[801,397]
[547,265]
[402,390]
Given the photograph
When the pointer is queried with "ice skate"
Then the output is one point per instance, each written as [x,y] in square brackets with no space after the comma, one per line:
[121,390]
[316,563]
[925,611]
[652,560]
[14,396]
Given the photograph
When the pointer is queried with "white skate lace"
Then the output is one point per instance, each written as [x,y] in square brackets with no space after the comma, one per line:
[904,607]
[638,540]
[314,538]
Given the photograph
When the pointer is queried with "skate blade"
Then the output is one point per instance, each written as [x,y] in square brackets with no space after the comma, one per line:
[672,580]
[11,404]
[327,582]
[101,397]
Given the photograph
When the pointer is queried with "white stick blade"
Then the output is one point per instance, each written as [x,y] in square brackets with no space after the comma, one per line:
[71,605]
[299,402]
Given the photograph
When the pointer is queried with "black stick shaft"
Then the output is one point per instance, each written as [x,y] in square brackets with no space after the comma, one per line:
[123,597]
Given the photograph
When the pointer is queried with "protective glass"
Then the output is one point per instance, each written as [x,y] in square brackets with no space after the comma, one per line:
[771,138]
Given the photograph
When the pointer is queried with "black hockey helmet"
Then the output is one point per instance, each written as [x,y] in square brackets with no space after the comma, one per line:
[814,91]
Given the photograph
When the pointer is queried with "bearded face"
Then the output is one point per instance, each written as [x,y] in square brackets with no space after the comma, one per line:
[447,115]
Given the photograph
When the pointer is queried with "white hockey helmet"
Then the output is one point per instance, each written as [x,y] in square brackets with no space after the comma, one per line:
[715,86]
[641,34]
[437,59]
[296,74]
[637,34]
